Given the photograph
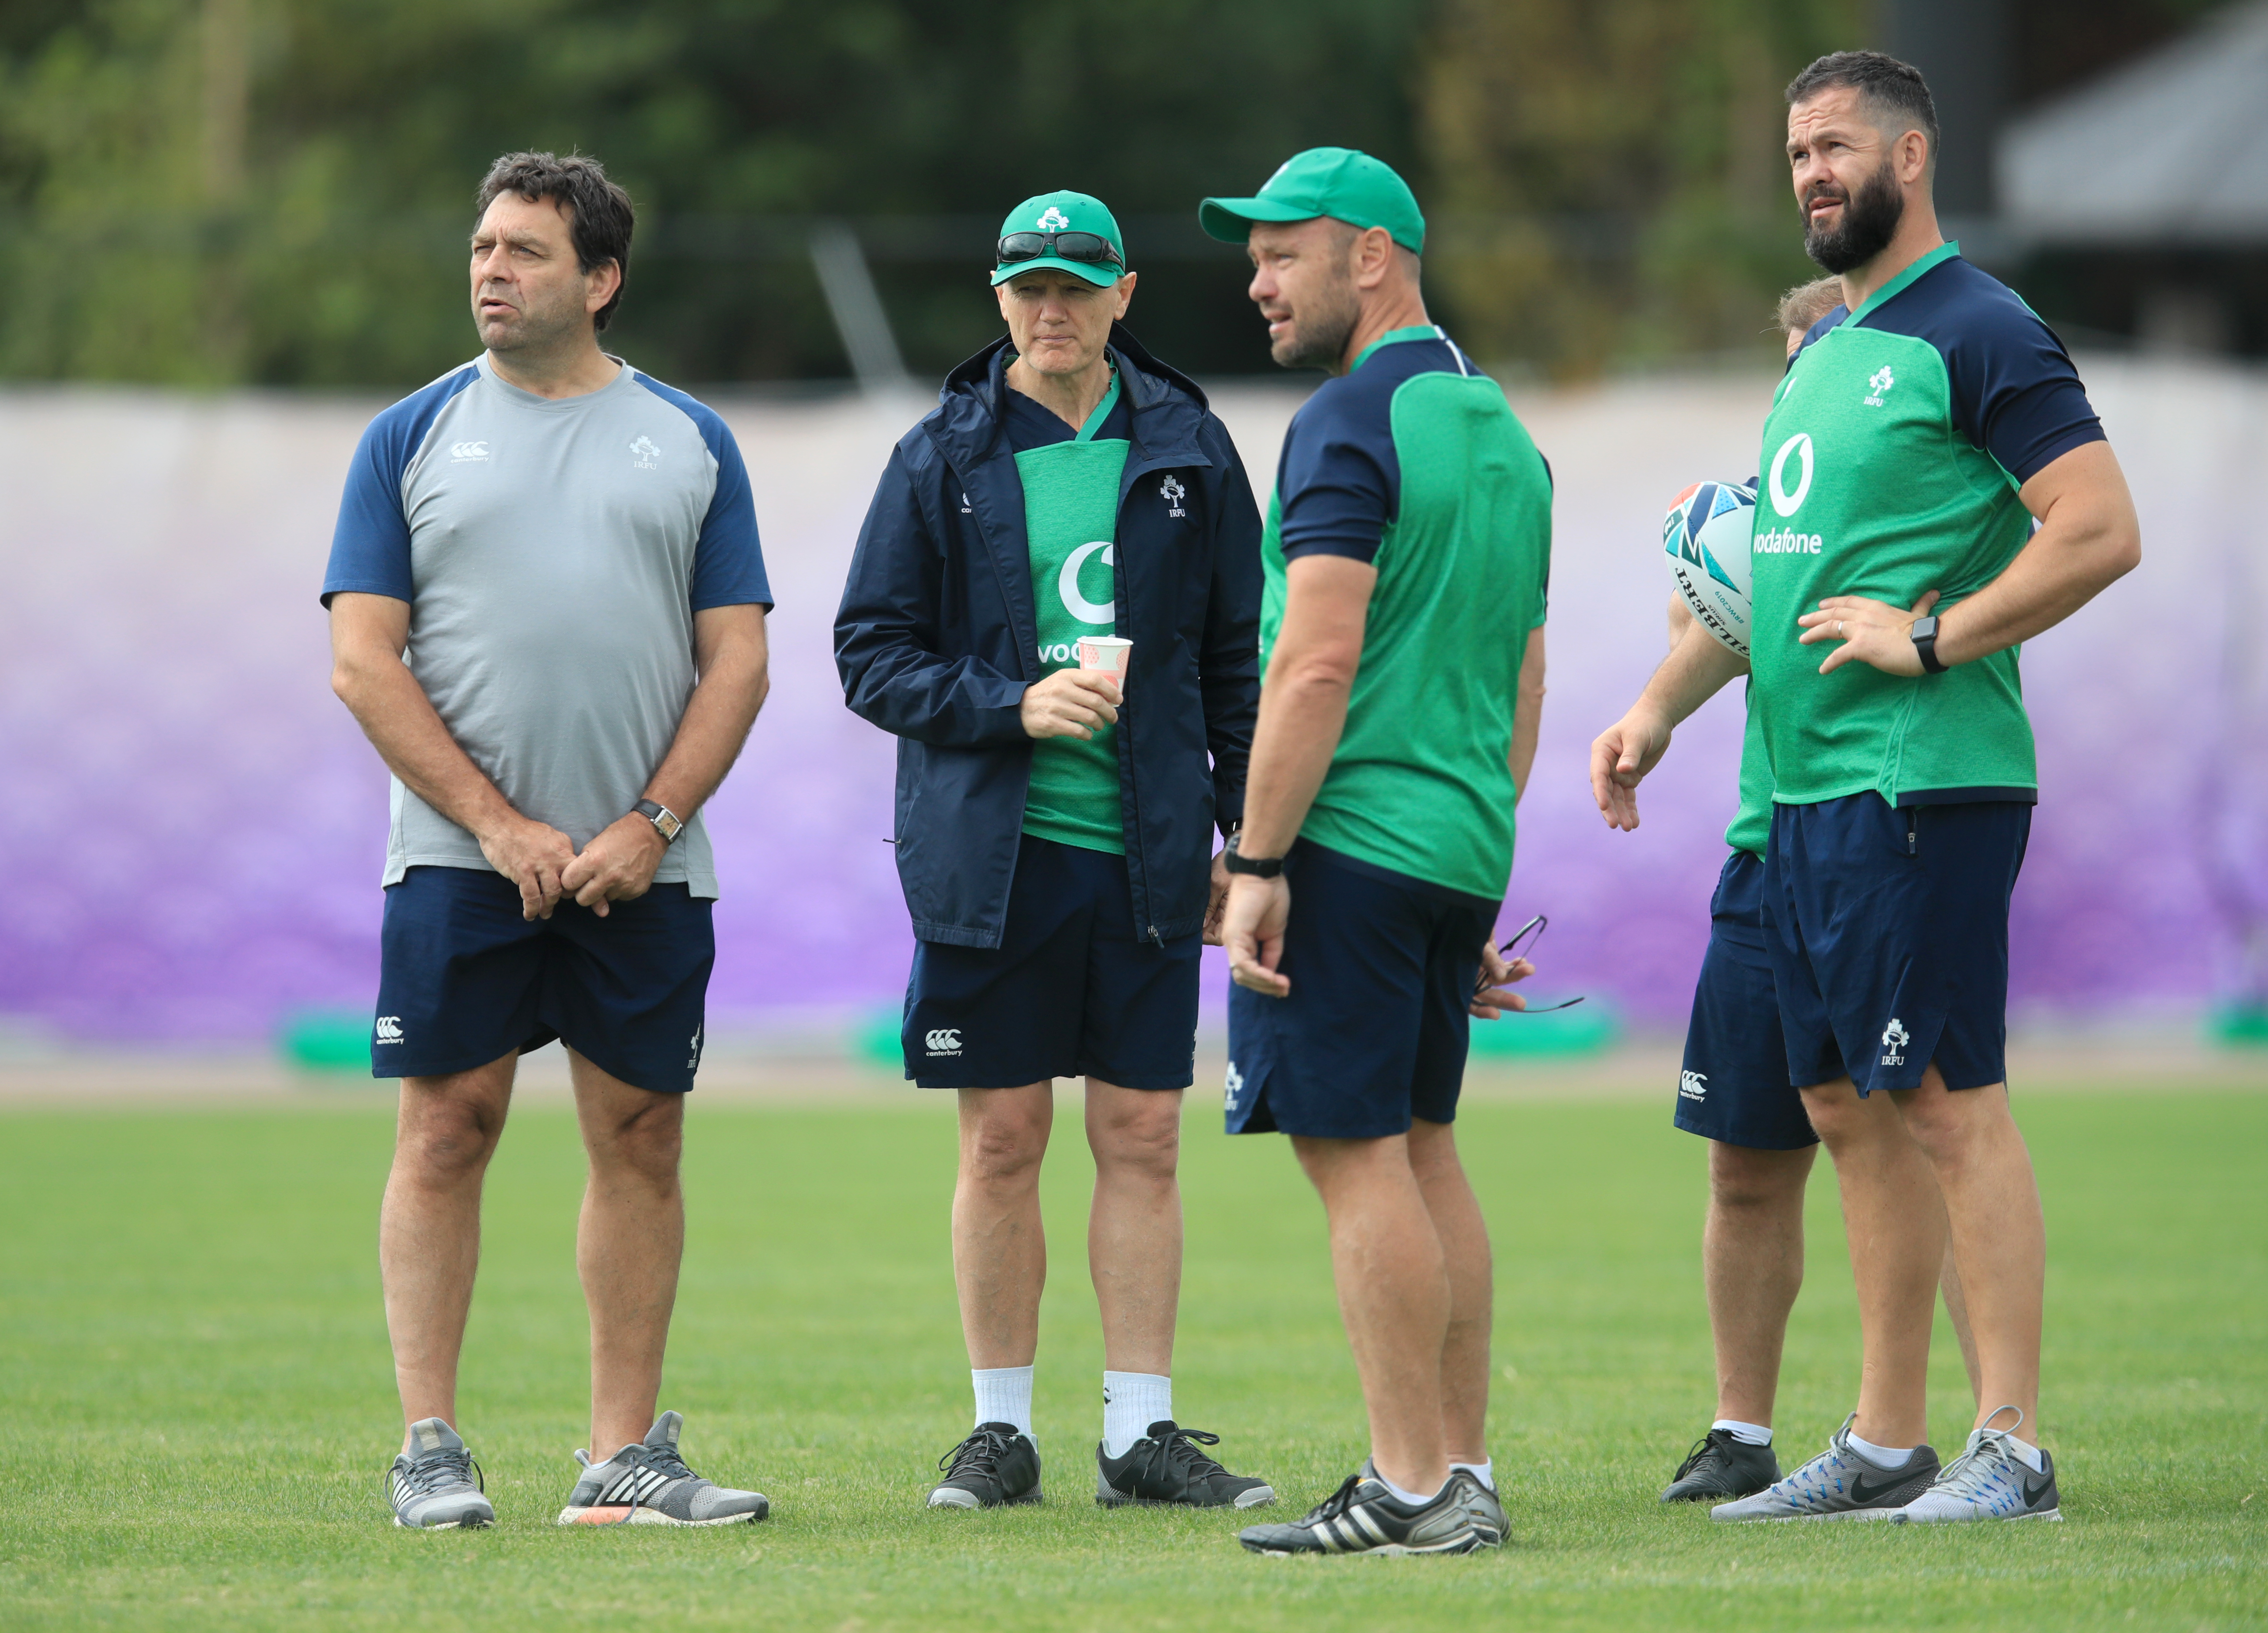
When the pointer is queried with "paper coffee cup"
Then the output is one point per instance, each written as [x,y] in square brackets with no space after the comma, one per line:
[1107,654]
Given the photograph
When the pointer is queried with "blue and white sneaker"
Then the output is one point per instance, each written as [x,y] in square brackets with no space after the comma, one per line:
[1988,1481]
[431,1486]
[1840,1483]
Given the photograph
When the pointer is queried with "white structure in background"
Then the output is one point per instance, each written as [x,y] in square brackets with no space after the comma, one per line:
[2169,151]
[857,308]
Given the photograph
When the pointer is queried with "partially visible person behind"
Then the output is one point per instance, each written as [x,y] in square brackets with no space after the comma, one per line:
[1057,856]
[547,604]
[1398,720]
[1920,433]
[1733,1091]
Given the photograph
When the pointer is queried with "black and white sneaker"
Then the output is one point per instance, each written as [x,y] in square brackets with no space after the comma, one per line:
[648,1484]
[435,1489]
[1166,1466]
[1720,1469]
[1363,1517]
[1488,1511]
[997,1465]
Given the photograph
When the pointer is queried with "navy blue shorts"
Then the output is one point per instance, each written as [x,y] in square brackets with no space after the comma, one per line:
[1889,938]
[463,980]
[1070,992]
[1375,1031]
[1734,1086]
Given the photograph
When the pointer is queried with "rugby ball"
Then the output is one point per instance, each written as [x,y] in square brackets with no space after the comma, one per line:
[1706,537]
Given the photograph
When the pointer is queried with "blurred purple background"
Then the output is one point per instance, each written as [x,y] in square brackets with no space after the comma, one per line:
[194,825]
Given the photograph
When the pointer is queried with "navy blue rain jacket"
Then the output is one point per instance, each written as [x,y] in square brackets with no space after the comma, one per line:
[937,641]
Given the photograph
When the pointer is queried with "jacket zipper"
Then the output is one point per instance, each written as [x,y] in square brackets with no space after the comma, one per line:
[1913,830]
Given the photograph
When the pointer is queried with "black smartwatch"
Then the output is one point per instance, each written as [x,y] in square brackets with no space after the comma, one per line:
[1925,640]
[1236,862]
[664,820]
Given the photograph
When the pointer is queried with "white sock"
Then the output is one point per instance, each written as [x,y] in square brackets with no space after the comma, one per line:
[2029,1452]
[1486,1473]
[1132,1401]
[1747,1434]
[1883,1457]
[1003,1395]
[1416,1499]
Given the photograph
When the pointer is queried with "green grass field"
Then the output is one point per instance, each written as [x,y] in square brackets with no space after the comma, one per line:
[196,1405]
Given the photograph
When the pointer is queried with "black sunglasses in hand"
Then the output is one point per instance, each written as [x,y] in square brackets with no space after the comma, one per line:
[1066,246]
[1515,947]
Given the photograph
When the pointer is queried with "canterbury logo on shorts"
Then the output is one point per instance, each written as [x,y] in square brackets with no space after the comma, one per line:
[944,1040]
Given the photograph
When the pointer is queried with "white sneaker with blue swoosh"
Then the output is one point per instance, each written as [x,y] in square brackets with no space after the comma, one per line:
[1990,1480]
[1842,1483]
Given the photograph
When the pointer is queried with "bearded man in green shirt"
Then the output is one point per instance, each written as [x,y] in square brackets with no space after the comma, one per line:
[1923,427]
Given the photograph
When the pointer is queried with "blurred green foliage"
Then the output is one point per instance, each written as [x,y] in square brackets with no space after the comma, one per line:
[277,191]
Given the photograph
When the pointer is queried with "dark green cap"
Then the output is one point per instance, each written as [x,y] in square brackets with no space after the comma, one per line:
[1334,182]
[1063,211]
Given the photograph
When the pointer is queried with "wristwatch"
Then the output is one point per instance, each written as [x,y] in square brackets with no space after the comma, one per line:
[664,820]
[1260,868]
[1925,640]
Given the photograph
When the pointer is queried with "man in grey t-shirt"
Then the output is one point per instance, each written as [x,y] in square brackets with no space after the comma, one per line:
[547,604]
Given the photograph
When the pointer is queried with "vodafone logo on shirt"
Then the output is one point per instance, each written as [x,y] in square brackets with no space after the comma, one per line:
[1797,447]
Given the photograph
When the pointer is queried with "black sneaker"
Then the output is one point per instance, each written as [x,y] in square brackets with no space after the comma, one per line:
[1720,1467]
[1167,1467]
[997,1465]
[1363,1517]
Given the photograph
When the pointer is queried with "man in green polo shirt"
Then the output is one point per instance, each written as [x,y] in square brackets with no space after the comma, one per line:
[1925,426]
[1407,550]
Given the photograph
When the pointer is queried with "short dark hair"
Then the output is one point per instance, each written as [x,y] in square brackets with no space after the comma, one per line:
[599,215]
[1892,87]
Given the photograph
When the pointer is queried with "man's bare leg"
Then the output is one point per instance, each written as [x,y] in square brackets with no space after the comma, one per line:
[1392,1284]
[1957,1310]
[428,1228]
[1471,1268]
[1000,1249]
[1134,1230]
[1895,1223]
[628,1246]
[2000,1235]
[1752,1267]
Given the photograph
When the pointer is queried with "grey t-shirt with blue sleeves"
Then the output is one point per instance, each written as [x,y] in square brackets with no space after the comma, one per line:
[553,553]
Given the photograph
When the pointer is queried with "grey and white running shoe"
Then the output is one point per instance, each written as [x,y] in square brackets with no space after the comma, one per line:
[1988,1481]
[1488,1509]
[648,1484]
[432,1486]
[1840,1483]
[1363,1517]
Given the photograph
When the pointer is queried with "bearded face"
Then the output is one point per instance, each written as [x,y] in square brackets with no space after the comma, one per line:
[1862,228]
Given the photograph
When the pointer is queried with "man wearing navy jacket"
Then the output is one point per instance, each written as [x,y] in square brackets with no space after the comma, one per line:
[1054,826]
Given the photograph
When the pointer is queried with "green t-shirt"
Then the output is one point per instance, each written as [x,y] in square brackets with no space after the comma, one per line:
[1752,825]
[1071,515]
[1413,460]
[1891,460]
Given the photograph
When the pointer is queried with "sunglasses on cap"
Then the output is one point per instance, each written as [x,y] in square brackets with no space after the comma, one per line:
[1065,245]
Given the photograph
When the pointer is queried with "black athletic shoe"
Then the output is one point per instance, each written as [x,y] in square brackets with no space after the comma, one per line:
[1720,1469]
[1488,1511]
[997,1465]
[1167,1467]
[1363,1517]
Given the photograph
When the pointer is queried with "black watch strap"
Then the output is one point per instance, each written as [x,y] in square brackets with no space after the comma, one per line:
[1925,640]
[1259,867]
[664,821]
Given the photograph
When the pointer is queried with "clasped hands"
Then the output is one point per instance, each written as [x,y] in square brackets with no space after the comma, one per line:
[617,866]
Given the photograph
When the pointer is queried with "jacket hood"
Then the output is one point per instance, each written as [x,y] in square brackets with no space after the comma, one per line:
[1167,405]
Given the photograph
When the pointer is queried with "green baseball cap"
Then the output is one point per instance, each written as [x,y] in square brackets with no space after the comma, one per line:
[1062,212]
[1334,182]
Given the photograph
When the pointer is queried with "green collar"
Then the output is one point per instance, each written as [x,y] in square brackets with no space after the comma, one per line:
[1101,411]
[1898,285]
[1416,331]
